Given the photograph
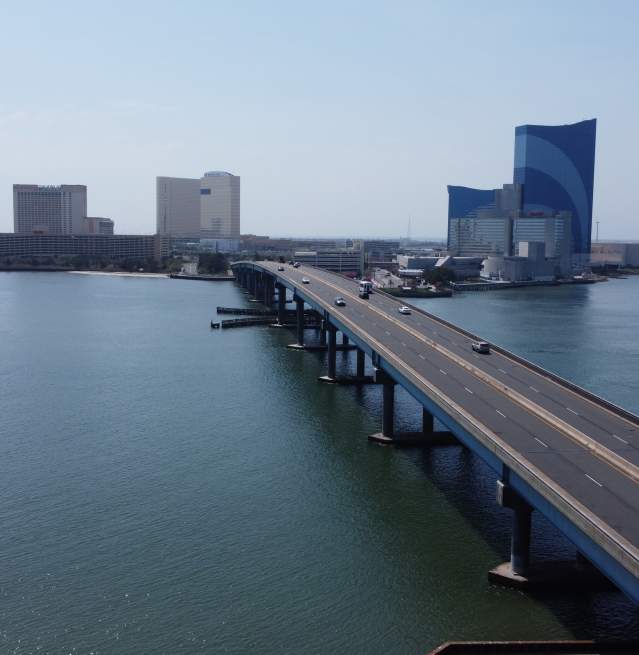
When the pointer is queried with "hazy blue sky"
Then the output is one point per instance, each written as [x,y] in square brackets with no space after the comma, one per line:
[343,118]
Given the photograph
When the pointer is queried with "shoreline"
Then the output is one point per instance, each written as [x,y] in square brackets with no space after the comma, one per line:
[120,274]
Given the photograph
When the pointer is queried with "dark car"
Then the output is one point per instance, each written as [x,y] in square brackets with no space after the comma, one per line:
[296,265]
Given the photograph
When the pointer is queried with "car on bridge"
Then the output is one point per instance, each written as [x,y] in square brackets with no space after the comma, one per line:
[404,310]
[280,268]
[296,265]
[305,280]
[340,302]
[481,347]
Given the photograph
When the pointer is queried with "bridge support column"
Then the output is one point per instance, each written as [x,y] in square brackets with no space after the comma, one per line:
[322,334]
[331,354]
[387,435]
[361,363]
[558,575]
[515,572]
[281,303]
[344,339]
[299,316]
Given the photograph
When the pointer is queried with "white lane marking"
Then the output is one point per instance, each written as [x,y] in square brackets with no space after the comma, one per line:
[593,480]
[500,413]
[545,445]
[467,389]
[442,371]
[422,356]
[501,370]
[573,411]
[387,332]
[616,436]
[454,343]
[403,344]
[535,390]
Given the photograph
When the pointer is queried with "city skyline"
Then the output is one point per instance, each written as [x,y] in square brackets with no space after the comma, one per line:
[332,137]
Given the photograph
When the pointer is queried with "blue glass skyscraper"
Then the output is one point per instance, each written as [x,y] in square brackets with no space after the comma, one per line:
[556,167]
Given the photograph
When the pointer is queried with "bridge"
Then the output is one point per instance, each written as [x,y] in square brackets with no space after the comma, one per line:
[556,448]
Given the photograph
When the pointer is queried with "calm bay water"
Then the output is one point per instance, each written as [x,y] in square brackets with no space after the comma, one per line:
[166,488]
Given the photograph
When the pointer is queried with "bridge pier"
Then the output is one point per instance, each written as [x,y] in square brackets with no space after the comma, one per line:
[281,304]
[557,575]
[361,363]
[331,354]
[322,334]
[426,438]
[344,339]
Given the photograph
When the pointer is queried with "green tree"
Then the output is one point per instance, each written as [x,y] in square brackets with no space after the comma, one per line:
[440,275]
[212,262]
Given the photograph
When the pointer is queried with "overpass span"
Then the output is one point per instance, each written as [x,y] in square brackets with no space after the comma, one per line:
[556,448]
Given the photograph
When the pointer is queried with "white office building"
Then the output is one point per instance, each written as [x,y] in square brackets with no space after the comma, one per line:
[178,206]
[49,209]
[207,208]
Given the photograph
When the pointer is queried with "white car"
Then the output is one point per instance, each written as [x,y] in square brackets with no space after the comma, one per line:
[481,347]
[305,280]
[404,310]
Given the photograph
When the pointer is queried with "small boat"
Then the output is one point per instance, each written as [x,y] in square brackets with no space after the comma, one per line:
[214,326]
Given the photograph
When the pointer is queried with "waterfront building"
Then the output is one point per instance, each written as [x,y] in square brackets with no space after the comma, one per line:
[615,254]
[220,205]
[555,166]
[555,231]
[407,262]
[97,225]
[178,206]
[207,207]
[480,220]
[530,264]
[49,209]
[340,261]
[90,245]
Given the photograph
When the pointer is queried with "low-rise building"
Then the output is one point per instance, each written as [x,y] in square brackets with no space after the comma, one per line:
[340,261]
[531,264]
[90,245]
[615,254]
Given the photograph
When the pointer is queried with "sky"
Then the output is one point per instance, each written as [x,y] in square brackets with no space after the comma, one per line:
[342,118]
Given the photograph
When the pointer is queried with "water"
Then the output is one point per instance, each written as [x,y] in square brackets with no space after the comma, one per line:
[166,488]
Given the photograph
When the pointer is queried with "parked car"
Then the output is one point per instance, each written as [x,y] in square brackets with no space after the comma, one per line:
[340,302]
[481,347]
[305,280]
[404,310]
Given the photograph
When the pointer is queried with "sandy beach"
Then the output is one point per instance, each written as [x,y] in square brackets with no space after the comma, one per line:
[119,274]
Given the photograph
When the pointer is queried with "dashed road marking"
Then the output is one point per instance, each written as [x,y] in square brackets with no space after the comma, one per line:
[501,370]
[545,445]
[593,480]
[500,413]
[403,344]
[467,389]
[442,371]
[573,411]
[616,436]
[387,332]
[422,356]
[535,390]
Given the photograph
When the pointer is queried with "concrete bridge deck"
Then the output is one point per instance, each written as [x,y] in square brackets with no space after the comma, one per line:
[557,448]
